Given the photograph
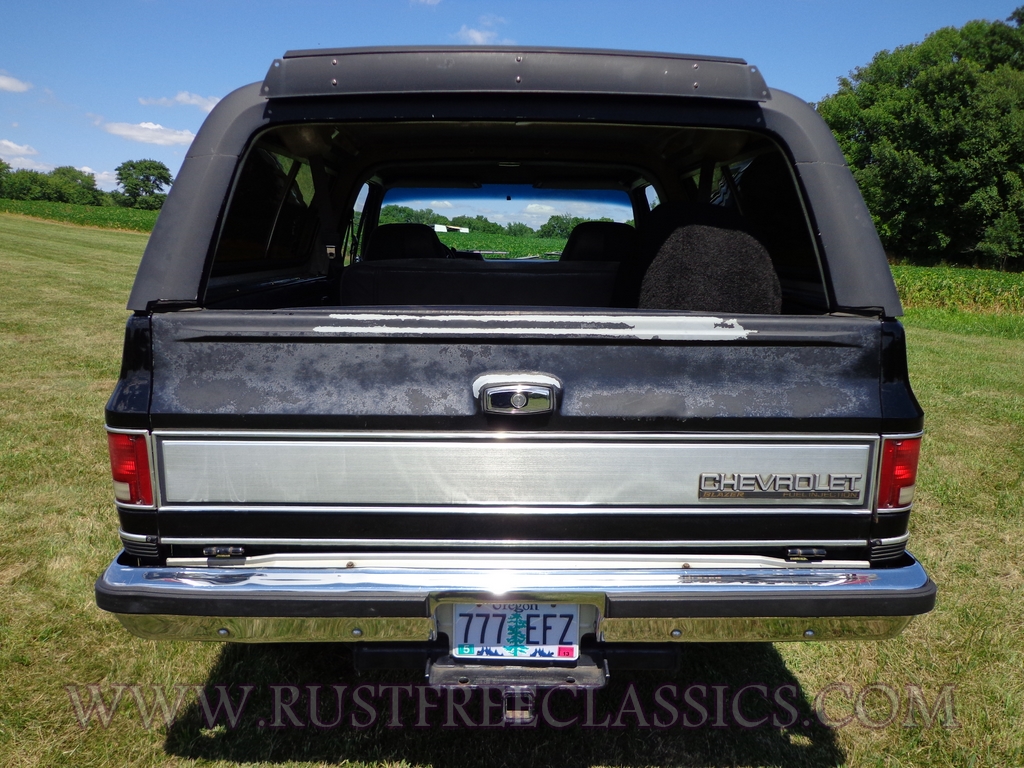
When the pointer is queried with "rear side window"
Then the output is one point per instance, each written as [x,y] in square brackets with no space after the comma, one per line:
[270,224]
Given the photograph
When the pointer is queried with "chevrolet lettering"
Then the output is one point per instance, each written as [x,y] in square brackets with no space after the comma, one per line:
[739,485]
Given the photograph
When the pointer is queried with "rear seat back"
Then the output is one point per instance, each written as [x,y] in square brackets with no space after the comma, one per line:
[712,269]
[405,241]
[456,282]
[600,241]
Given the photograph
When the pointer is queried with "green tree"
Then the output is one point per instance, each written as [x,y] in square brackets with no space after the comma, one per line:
[933,133]
[402,214]
[24,184]
[5,171]
[559,225]
[562,225]
[478,224]
[70,185]
[142,183]
[518,229]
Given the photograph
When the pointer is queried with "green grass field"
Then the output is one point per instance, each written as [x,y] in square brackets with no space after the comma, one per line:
[104,217]
[61,321]
[515,247]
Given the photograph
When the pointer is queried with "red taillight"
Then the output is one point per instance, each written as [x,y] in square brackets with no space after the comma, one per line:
[129,464]
[899,472]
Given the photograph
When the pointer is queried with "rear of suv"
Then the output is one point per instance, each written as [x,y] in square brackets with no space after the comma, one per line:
[692,422]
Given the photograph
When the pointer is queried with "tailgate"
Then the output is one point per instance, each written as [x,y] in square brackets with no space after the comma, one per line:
[297,429]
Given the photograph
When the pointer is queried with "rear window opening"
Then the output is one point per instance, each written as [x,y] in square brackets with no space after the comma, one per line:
[516,215]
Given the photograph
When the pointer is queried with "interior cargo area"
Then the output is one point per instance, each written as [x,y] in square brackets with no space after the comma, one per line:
[684,219]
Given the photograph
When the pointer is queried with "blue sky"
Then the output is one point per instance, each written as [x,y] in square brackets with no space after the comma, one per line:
[92,84]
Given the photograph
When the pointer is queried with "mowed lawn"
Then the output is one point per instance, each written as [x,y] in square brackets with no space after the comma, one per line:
[62,296]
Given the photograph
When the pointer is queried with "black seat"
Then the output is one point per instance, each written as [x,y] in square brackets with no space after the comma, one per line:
[712,269]
[657,227]
[405,241]
[455,282]
[600,241]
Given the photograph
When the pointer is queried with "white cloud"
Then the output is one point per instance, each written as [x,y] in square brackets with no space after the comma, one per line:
[538,208]
[10,149]
[205,103]
[19,156]
[440,204]
[149,133]
[28,164]
[484,36]
[104,179]
[476,36]
[12,84]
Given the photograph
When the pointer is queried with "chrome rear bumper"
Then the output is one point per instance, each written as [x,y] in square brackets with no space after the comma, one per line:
[704,601]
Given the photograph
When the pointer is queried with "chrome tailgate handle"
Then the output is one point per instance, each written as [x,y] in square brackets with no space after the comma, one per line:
[517,394]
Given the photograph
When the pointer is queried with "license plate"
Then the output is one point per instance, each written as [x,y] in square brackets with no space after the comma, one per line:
[523,631]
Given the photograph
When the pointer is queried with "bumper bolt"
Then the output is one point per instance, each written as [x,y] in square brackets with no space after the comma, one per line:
[809,633]
[223,632]
[677,633]
[357,632]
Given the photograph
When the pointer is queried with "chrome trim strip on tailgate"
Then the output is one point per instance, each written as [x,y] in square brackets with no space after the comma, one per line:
[557,437]
[368,509]
[508,543]
[489,561]
[515,472]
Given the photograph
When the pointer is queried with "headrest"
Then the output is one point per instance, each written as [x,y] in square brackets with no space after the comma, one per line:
[405,241]
[712,269]
[600,241]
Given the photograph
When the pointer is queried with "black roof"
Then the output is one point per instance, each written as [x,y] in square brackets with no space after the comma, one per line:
[497,69]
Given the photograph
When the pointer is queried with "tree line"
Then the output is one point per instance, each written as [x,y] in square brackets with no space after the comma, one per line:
[141,184]
[557,226]
[934,134]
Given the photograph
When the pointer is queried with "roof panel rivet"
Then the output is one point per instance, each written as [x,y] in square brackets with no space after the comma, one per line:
[518,59]
[334,61]
[334,82]
[519,79]
[696,66]
[696,86]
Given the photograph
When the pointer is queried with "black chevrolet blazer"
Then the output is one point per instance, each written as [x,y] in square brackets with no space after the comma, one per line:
[342,416]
